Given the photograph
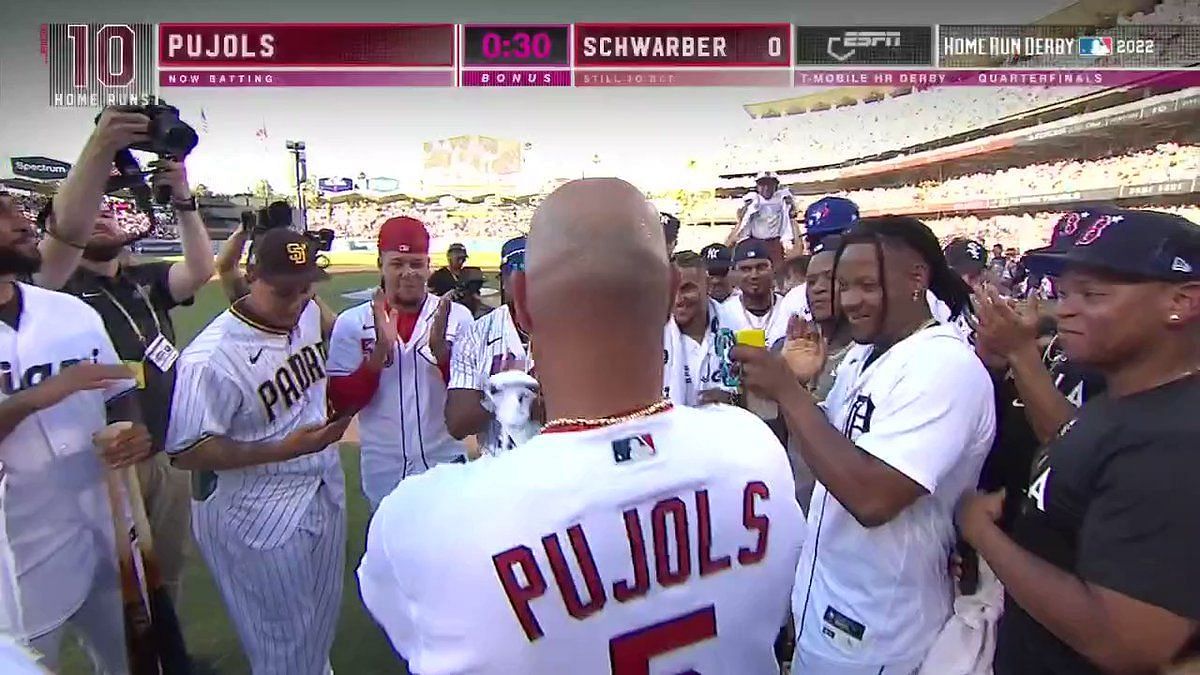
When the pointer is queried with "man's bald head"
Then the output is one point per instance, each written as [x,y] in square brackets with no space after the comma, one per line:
[596,256]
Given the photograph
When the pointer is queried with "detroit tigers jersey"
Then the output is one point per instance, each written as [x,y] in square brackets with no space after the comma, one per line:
[490,345]
[55,502]
[666,544]
[880,595]
[253,383]
[403,428]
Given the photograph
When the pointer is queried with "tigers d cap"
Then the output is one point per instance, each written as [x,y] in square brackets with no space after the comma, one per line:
[1140,244]
[283,254]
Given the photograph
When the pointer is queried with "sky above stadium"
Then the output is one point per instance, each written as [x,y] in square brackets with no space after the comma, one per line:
[648,136]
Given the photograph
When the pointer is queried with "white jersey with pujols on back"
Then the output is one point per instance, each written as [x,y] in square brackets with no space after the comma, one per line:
[59,548]
[666,544]
[879,596]
[491,345]
[403,429]
[273,535]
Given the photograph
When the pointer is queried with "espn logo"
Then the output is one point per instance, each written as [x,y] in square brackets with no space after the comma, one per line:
[1096,46]
[852,40]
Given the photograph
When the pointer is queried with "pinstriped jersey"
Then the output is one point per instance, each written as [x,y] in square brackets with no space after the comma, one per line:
[251,384]
[489,347]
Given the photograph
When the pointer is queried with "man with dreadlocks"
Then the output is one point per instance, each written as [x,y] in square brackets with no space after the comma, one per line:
[902,435]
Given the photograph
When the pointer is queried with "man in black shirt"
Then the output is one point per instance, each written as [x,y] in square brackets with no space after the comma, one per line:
[1100,571]
[1037,388]
[135,301]
[446,279]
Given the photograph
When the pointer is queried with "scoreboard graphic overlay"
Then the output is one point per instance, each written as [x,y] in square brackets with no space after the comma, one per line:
[92,65]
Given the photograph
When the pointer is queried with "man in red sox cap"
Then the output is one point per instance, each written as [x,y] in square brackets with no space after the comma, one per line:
[389,362]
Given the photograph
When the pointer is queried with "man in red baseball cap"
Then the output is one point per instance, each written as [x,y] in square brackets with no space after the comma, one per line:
[389,362]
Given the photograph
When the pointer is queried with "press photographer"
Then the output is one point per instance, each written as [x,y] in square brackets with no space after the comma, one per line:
[133,298]
[70,219]
[254,224]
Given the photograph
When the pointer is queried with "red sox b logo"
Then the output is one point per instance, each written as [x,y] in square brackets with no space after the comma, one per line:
[1097,228]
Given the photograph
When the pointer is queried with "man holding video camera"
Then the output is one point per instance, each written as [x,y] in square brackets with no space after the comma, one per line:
[254,224]
[135,300]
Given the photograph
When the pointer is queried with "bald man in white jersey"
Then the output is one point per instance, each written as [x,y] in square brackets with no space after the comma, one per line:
[630,536]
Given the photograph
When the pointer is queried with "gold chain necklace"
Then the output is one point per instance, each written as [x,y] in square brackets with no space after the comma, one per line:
[582,423]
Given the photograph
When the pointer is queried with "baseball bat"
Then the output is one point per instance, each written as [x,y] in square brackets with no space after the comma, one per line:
[168,634]
[139,639]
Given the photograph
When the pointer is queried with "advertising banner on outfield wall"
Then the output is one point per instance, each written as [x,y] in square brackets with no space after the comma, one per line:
[40,167]
[1097,195]
[1171,187]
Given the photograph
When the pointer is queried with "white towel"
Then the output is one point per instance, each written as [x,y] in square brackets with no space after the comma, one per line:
[967,642]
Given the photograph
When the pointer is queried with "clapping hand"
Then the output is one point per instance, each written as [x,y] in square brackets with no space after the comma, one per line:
[1005,327]
[805,349]
[385,329]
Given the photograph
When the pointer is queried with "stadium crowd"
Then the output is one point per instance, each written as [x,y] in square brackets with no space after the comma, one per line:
[1165,162]
[824,137]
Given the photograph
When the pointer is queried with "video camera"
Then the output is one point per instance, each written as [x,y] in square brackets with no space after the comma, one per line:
[169,137]
[470,283]
[279,214]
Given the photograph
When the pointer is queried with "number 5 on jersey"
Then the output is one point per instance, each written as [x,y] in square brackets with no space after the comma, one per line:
[631,653]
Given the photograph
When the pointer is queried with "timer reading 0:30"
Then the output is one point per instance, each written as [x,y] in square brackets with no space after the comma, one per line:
[504,45]
[520,45]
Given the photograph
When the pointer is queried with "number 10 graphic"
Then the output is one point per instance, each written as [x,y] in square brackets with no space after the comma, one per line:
[112,40]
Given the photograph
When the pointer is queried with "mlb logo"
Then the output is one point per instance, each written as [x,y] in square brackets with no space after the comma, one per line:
[633,449]
[1096,46]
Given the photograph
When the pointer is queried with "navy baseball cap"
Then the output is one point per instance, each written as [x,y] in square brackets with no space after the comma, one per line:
[1070,225]
[1135,243]
[512,255]
[749,249]
[966,256]
[829,215]
[718,258]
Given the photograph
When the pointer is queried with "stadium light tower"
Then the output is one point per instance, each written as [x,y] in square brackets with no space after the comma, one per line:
[301,173]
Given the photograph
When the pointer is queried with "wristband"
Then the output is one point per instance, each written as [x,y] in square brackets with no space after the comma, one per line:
[56,237]
[188,204]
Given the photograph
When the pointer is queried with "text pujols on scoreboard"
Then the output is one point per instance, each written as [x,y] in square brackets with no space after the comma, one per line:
[305,55]
[682,55]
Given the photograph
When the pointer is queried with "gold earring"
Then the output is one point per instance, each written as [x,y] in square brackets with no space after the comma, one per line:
[916,295]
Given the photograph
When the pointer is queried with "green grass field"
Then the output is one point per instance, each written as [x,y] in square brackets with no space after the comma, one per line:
[360,648]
